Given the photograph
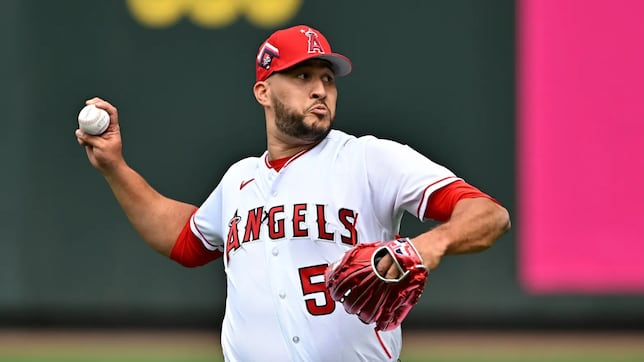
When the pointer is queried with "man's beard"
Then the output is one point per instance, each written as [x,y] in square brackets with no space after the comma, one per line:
[292,124]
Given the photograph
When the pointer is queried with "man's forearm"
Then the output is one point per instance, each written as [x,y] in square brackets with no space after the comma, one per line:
[158,219]
[474,226]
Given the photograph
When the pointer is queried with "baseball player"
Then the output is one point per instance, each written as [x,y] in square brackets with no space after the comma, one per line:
[279,220]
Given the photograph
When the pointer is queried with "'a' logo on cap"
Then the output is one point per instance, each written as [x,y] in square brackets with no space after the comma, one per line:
[314,42]
[266,55]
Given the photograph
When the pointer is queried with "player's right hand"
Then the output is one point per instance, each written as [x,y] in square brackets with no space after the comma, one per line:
[104,151]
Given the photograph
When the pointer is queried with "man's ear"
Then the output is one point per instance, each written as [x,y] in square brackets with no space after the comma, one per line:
[261,93]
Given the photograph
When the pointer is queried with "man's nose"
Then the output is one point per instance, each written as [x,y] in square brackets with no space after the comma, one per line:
[318,90]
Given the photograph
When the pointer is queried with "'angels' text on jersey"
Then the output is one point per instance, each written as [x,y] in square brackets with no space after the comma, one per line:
[291,222]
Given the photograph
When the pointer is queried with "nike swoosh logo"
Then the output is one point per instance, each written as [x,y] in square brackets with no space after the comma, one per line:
[244,183]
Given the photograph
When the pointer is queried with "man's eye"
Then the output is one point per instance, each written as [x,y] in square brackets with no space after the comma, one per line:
[302,76]
[328,78]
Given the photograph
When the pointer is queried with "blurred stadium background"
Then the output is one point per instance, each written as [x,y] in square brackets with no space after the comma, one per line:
[538,102]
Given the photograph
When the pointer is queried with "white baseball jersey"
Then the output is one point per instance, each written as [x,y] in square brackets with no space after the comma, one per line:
[280,230]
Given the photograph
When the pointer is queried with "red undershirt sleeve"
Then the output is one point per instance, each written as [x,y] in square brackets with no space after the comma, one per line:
[189,251]
[441,203]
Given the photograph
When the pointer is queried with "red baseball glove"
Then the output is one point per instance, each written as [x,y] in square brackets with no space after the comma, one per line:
[355,282]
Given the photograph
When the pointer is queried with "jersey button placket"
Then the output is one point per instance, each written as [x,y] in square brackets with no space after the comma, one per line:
[275,181]
[276,252]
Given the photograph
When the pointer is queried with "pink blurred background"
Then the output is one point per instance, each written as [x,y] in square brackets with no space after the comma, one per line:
[581,146]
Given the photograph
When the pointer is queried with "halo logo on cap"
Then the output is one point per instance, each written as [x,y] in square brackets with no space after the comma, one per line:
[314,43]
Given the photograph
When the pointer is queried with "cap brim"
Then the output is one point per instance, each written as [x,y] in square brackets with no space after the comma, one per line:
[341,65]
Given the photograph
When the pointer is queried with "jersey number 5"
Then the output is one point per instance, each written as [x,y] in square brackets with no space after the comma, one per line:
[311,287]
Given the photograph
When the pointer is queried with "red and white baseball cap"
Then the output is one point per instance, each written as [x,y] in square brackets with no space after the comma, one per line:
[288,47]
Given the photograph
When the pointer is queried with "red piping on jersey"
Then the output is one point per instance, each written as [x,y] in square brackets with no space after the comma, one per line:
[425,191]
[384,348]
[280,163]
[192,218]
[189,251]
[297,155]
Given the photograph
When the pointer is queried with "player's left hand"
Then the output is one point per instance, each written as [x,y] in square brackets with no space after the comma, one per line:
[429,252]
[378,290]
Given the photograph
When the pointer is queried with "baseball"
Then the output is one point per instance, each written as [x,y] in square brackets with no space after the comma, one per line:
[93,120]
